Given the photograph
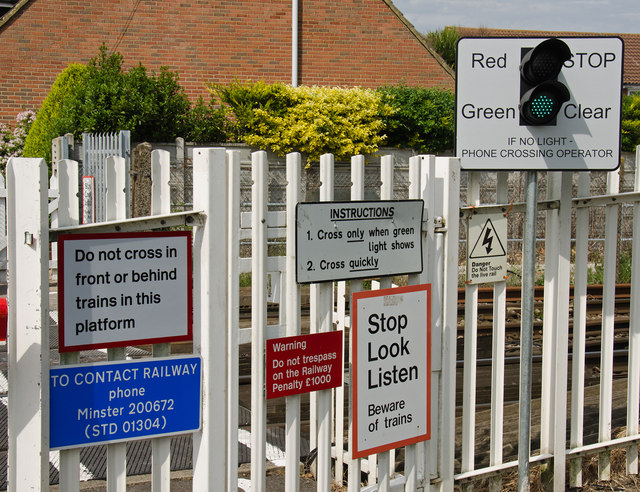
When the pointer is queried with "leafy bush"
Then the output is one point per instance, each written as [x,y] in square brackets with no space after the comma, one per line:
[206,123]
[630,122]
[243,100]
[12,141]
[101,97]
[54,117]
[311,120]
[423,119]
[445,42]
[153,107]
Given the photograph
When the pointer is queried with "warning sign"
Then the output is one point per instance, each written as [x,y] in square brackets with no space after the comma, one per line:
[303,363]
[391,387]
[487,251]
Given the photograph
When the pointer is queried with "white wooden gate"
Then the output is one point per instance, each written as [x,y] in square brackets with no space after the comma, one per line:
[219,226]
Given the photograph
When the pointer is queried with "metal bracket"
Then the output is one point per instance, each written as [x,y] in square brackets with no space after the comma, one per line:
[177,219]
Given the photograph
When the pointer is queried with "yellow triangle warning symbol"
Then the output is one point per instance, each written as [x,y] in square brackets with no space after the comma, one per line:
[488,244]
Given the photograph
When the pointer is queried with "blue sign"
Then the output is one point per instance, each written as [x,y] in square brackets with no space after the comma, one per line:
[120,401]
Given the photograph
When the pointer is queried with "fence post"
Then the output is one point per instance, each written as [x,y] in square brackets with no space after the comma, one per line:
[325,314]
[292,471]
[116,200]
[561,331]
[448,170]
[433,257]
[498,353]
[160,204]
[608,318]
[233,228]
[210,248]
[68,215]
[470,354]
[579,329]
[28,342]
[633,386]
[357,193]
[386,458]
[259,169]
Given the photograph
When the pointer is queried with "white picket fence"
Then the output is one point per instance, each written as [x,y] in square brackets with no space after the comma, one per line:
[218,229]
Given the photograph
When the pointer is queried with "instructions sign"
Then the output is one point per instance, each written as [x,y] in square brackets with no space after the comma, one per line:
[586,135]
[119,401]
[392,368]
[487,248]
[347,240]
[302,364]
[116,289]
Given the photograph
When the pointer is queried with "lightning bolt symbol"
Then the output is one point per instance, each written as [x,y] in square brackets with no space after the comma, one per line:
[488,239]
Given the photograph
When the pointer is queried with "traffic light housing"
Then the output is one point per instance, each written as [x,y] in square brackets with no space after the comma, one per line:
[541,95]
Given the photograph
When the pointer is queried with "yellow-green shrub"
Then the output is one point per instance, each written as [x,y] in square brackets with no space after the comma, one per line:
[312,120]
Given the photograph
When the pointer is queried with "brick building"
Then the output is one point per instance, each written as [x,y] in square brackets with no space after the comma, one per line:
[365,43]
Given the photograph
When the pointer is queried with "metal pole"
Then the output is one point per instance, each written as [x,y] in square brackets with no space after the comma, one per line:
[526,329]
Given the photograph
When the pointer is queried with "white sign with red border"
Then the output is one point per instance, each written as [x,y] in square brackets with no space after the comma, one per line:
[392,368]
[116,289]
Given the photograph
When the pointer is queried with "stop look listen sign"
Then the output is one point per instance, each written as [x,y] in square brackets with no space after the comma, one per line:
[392,368]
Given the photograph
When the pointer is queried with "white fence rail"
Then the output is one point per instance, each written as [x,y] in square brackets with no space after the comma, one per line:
[432,465]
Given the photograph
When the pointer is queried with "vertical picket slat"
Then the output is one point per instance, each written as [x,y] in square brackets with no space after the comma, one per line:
[357,194]
[497,355]
[386,193]
[470,353]
[116,204]
[433,258]
[561,331]
[233,279]
[68,215]
[448,173]
[414,452]
[633,386]
[549,316]
[608,318]
[28,337]
[579,329]
[325,317]
[341,313]
[292,470]
[160,204]
[210,305]
[259,167]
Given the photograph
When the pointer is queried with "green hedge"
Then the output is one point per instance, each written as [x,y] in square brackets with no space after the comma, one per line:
[102,97]
[51,119]
[630,122]
[422,119]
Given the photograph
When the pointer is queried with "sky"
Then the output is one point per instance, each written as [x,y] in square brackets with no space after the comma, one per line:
[602,16]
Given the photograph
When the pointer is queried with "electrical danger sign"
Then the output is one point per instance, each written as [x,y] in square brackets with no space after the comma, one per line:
[392,368]
[487,249]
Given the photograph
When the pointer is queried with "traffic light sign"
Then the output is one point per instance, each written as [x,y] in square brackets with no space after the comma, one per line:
[541,95]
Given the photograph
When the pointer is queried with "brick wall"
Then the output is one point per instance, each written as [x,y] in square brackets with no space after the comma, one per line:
[342,42]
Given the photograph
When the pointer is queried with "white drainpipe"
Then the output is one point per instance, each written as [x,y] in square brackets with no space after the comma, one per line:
[294,43]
